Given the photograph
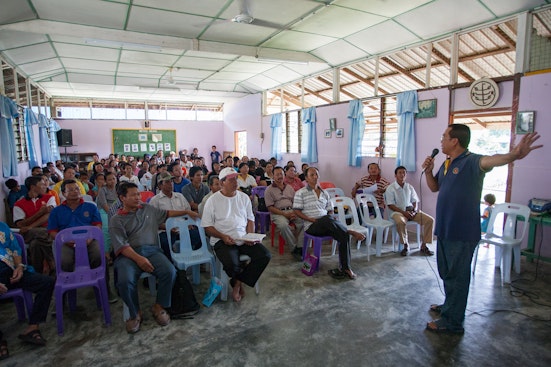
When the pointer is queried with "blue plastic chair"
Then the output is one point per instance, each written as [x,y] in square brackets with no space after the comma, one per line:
[20,297]
[83,275]
[186,256]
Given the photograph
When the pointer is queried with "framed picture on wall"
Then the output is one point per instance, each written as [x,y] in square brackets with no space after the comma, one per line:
[339,133]
[328,133]
[525,122]
[427,109]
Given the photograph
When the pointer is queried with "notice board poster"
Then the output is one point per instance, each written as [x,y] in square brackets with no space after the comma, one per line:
[139,142]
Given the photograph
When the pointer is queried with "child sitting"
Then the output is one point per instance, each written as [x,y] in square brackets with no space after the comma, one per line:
[489,201]
[16,192]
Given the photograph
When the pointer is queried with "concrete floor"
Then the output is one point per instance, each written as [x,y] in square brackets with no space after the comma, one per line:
[377,320]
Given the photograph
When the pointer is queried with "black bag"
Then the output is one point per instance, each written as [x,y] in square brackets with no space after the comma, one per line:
[262,205]
[183,298]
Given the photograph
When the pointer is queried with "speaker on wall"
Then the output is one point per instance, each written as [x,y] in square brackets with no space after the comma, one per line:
[65,138]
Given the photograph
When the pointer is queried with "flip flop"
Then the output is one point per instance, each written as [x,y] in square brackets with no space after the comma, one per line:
[160,315]
[4,352]
[33,337]
[438,327]
[436,308]
[337,274]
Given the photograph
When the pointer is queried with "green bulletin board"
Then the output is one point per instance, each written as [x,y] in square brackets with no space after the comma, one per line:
[139,142]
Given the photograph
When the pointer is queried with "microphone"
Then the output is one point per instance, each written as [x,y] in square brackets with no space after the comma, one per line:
[435,151]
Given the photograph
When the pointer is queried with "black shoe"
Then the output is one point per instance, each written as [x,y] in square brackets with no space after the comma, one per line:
[297,253]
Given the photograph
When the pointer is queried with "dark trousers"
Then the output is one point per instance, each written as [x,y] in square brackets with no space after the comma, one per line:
[40,249]
[328,226]
[248,274]
[454,267]
[42,285]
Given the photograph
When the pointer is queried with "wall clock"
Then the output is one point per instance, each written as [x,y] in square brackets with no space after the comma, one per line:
[484,93]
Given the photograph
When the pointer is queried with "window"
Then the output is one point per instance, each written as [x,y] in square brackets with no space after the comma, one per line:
[20,140]
[381,127]
[291,130]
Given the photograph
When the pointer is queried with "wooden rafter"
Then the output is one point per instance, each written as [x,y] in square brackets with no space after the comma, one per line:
[446,60]
[363,79]
[403,71]
[503,36]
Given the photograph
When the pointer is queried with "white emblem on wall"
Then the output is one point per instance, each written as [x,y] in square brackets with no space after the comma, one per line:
[484,93]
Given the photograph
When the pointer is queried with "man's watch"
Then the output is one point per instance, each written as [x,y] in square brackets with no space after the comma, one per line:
[22,266]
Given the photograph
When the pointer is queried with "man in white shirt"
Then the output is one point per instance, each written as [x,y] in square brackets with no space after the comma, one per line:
[228,215]
[402,200]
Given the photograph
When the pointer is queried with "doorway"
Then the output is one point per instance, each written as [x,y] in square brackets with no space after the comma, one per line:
[240,141]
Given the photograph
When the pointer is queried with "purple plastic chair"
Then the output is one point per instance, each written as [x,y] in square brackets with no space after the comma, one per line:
[316,244]
[82,276]
[262,219]
[20,297]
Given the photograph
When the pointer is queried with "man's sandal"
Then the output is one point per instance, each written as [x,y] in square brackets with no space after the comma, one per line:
[438,327]
[33,337]
[436,308]
[160,315]
[426,251]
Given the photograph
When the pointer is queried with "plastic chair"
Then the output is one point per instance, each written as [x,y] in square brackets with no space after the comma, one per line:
[83,275]
[21,298]
[280,240]
[88,198]
[145,196]
[186,256]
[335,192]
[262,219]
[225,279]
[346,205]
[508,242]
[396,237]
[326,184]
[378,223]
[316,243]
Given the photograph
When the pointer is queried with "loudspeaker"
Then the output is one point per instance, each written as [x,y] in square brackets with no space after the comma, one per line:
[65,138]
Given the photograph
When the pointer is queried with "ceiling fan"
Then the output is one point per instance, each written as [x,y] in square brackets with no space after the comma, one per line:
[246,17]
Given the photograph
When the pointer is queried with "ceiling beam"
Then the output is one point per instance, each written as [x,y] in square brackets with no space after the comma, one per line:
[365,80]
[119,38]
[404,71]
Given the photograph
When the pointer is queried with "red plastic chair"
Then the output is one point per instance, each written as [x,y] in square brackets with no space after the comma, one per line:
[145,196]
[326,184]
[83,275]
[21,298]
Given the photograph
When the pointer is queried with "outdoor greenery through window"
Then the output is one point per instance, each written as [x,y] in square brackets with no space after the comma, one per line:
[291,130]
[381,127]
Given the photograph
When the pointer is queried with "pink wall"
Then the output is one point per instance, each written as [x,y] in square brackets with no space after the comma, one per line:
[244,115]
[189,135]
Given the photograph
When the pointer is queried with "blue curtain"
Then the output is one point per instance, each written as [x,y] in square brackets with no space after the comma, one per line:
[30,120]
[275,124]
[45,150]
[8,111]
[357,127]
[54,128]
[406,109]
[309,151]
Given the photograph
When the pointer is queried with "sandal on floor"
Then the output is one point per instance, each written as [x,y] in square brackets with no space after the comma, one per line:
[404,252]
[351,275]
[426,251]
[160,315]
[33,337]
[4,352]
[337,274]
[436,308]
[438,327]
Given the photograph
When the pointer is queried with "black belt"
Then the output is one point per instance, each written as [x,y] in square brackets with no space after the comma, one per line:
[288,208]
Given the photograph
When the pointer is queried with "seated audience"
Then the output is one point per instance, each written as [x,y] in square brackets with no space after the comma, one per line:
[245,182]
[313,205]
[374,178]
[16,191]
[196,190]
[128,175]
[228,216]
[214,185]
[291,179]
[69,173]
[179,181]
[14,274]
[402,200]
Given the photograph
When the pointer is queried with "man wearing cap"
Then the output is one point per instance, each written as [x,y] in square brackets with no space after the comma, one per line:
[228,215]
[167,199]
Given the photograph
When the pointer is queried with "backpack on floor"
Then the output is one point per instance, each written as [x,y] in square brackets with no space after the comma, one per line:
[183,297]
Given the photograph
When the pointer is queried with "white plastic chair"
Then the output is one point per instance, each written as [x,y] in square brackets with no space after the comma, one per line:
[396,237]
[187,257]
[88,198]
[346,209]
[378,223]
[335,192]
[508,242]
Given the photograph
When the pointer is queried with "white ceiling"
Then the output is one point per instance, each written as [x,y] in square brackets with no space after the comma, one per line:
[191,51]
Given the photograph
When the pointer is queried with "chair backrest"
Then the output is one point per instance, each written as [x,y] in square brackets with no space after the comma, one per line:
[79,236]
[88,198]
[326,184]
[182,224]
[21,242]
[258,191]
[512,212]
[346,209]
[146,195]
[363,200]
[335,192]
